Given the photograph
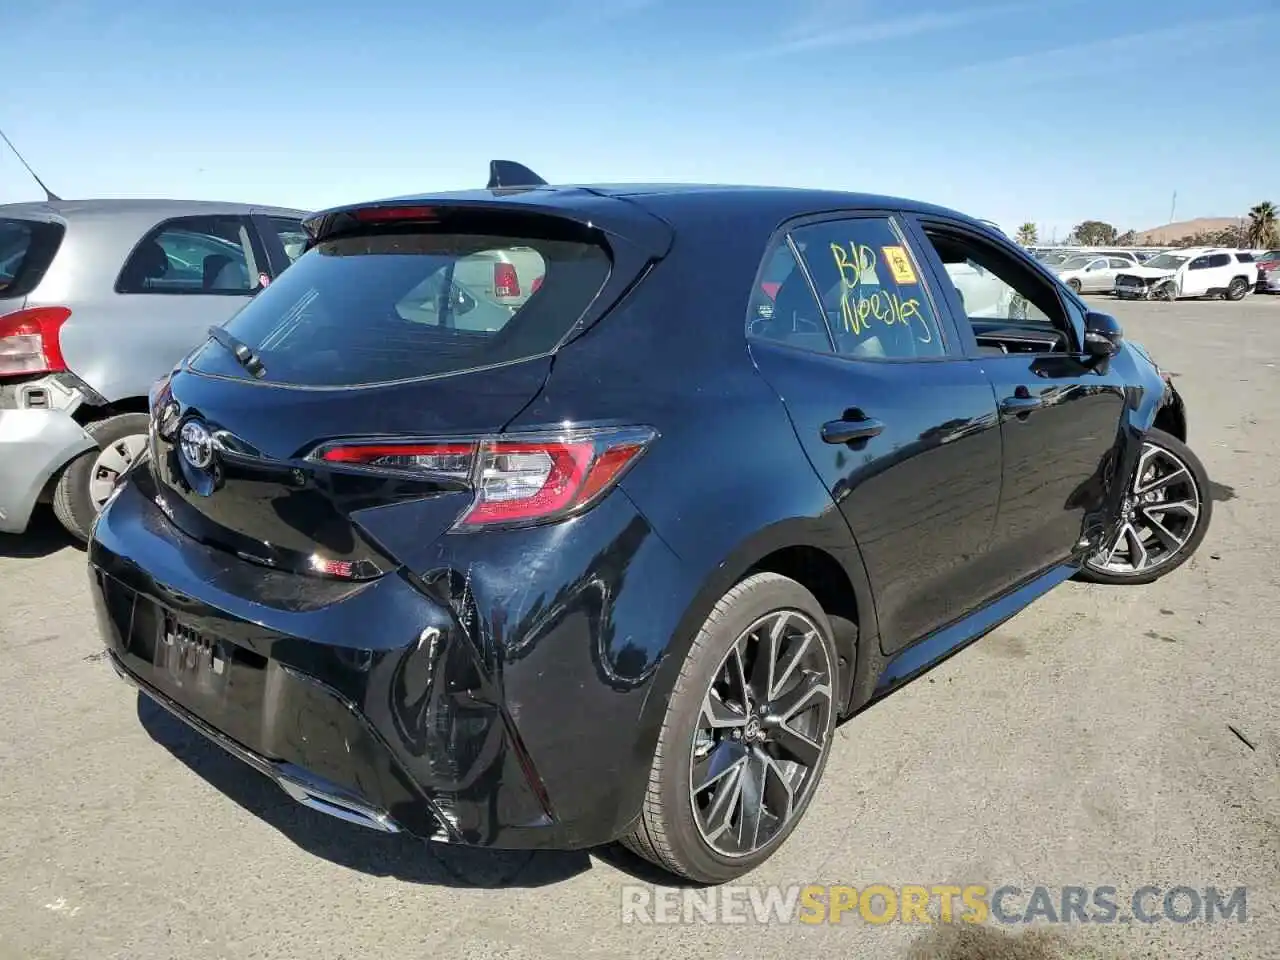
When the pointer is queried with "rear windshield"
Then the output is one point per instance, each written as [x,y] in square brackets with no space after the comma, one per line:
[26,250]
[403,305]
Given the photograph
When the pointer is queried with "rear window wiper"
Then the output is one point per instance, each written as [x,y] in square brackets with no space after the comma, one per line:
[239,349]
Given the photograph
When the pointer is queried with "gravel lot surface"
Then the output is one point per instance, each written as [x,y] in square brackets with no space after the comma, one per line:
[1087,742]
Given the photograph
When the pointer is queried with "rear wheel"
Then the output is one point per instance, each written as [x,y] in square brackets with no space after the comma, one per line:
[1166,516]
[1237,289]
[746,736]
[88,481]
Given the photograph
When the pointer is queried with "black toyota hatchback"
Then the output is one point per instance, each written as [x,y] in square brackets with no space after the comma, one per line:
[551,516]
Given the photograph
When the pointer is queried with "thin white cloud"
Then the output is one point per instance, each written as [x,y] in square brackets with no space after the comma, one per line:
[829,24]
[1164,46]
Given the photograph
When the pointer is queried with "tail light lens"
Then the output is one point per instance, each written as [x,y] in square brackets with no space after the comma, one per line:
[29,341]
[515,480]
[505,281]
[394,214]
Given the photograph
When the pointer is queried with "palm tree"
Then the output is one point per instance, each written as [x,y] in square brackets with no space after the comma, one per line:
[1028,234]
[1262,230]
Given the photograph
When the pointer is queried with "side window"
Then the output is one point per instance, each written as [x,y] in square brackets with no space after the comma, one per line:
[292,237]
[1098,265]
[1245,257]
[782,306]
[203,255]
[1199,263]
[1220,260]
[1009,305]
[872,290]
[1119,264]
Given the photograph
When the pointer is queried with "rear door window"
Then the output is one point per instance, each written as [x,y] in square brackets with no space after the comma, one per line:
[27,247]
[872,289]
[211,255]
[408,304]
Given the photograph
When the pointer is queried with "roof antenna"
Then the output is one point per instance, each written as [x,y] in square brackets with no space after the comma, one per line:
[48,194]
[508,173]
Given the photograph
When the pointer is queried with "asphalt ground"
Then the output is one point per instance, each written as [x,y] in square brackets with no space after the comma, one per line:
[1107,737]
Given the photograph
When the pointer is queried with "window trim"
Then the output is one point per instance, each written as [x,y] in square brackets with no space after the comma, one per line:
[898,224]
[1073,307]
[255,245]
[276,257]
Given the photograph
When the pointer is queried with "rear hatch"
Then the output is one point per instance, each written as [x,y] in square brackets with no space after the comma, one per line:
[370,375]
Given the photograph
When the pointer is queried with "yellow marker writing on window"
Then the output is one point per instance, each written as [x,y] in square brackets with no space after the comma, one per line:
[899,264]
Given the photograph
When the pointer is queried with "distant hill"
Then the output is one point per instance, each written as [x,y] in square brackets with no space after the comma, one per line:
[1173,232]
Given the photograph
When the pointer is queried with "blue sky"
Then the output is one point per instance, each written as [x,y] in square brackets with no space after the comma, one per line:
[1048,110]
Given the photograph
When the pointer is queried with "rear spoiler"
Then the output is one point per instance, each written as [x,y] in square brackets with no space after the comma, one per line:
[514,189]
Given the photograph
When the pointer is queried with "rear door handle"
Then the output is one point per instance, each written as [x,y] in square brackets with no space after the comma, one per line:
[847,431]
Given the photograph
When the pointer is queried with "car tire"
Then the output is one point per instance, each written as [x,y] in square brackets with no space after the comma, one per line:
[78,493]
[676,830]
[1160,450]
[1167,293]
[1237,289]
[1074,285]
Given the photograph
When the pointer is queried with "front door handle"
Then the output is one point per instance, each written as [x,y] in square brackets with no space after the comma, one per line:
[848,431]
[1020,404]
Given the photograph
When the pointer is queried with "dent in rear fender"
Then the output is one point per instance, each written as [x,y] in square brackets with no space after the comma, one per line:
[570,621]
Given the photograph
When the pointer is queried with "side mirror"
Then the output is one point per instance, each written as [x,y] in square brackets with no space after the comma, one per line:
[1102,335]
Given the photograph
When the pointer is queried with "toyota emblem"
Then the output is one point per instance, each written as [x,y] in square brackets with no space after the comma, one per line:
[197,445]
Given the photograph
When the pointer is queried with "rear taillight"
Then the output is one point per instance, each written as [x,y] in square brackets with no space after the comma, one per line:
[505,281]
[515,480]
[536,285]
[29,341]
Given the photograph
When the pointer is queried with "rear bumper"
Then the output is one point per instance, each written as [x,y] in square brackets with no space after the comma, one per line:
[306,788]
[359,698]
[34,445]
[517,726]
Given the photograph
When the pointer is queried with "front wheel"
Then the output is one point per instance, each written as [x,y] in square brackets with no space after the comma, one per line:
[1165,516]
[746,736]
[1074,285]
[1167,292]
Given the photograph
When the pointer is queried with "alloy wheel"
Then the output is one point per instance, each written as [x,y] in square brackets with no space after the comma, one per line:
[763,733]
[111,464]
[1159,516]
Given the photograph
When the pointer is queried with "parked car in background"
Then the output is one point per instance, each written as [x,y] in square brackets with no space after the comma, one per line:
[1093,273]
[616,569]
[98,300]
[1268,263]
[1203,272]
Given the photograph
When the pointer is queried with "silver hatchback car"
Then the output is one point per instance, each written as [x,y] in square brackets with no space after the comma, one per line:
[99,299]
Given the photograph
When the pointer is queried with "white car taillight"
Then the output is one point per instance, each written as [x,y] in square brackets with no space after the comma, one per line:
[29,341]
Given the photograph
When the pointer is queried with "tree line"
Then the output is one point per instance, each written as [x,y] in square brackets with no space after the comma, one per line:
[1260,230]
